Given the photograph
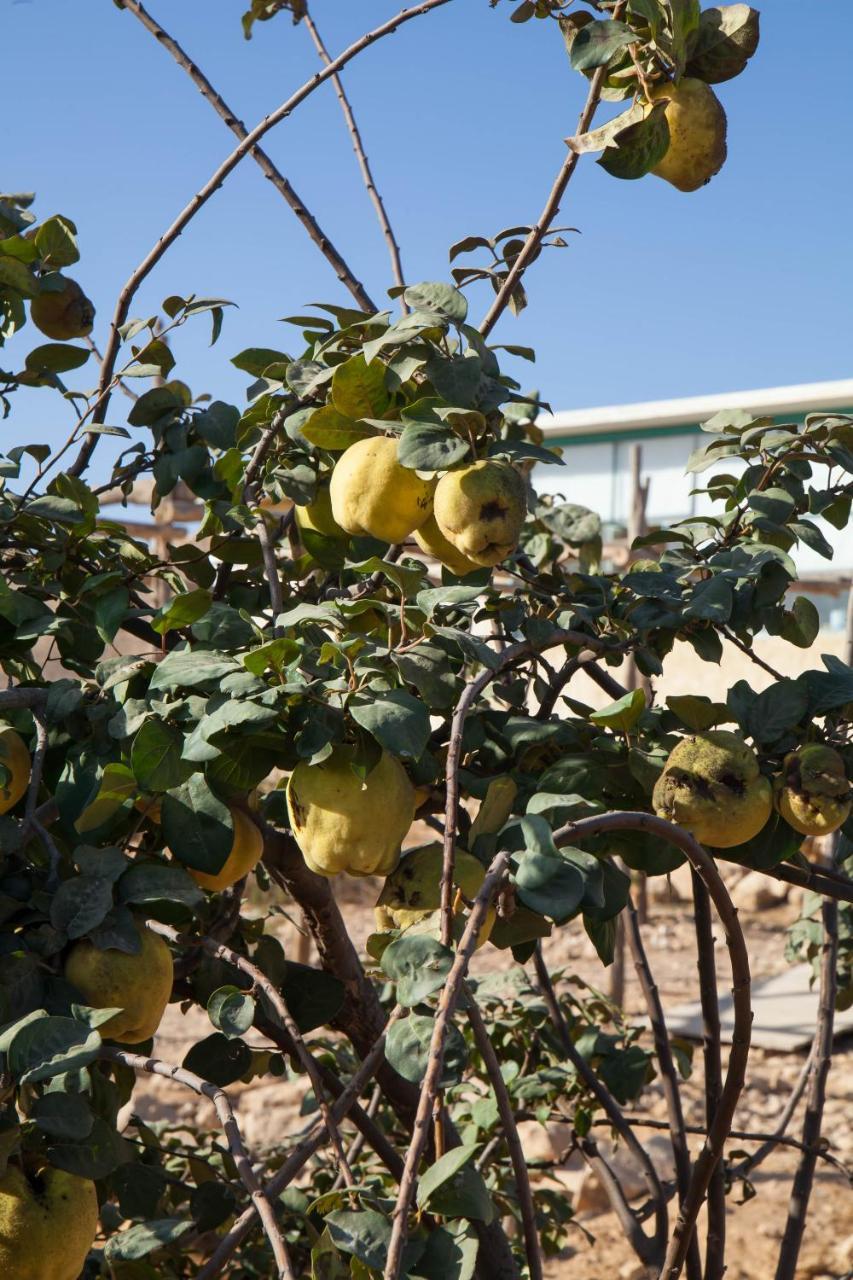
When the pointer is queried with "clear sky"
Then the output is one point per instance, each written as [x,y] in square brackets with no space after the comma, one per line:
[746,283]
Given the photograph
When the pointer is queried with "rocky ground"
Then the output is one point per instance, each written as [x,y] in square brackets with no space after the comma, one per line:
[268,1111]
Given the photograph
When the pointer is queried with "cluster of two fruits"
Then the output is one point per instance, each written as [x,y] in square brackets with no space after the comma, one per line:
[712,786]
[470,518]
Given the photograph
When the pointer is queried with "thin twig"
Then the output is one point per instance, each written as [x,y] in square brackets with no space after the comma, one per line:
[450,993]
[648,1250]
[789,1250]
[363,162]
[777,1137]
[718,1130]
[259,1198]
[552,205]
[299,1157]
[817,879]
[201,197]
[715,1250]
[532,1246]
[751,654]
[338,264]
[262,984]
[122,385]
[669,1076]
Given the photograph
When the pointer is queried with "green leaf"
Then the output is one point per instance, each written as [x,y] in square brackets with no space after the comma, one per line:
[366,1234]
[95,1156]
[182,610]
[155,404]
[189,667]
[712,601]
[219,1060]
[801,623]
[329,429]
[80,904]
[461,1195]
[596,43]
[313,996]
[419,965]
[636,149]
[424,447]
[149,881]
[726,39]
[197,826]
[450,1254]
[622,714]
[443,1170]
[231,1011]
[17,276]
[51,1046]
[438,298]
[56,241]
[602,935]
[56,357]
[398,722]
[407,1050]
[358,388]
[546,882]
[63,1115]
[155,757]
[777,710]
[145,1238]
[59,510]
[256,360]
[698,712]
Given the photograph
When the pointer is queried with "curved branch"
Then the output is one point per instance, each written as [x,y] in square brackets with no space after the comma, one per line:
[715,1261]
[552,205]
[363,162]
[718,1131]
[260,1202]
[201,197]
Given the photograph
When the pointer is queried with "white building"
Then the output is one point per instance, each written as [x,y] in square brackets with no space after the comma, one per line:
[597,449]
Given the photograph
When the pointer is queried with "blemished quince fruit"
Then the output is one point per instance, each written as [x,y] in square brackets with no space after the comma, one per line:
[63,313]
[812,793]
[317,516]
[15,759]
[697,134]
[245,854]
[342,823]
[712,786]
[139,985]
[411,896]
[480,510]
[48,1223]
[373,494]
[432,541]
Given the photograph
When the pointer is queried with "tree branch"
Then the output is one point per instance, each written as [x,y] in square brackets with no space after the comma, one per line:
[484,1044]
[260,1202]
[338,264]
[718,1131]
[450,993]
[649,1251]
[363,162]
[552,205]
[201,197]
[715,1259]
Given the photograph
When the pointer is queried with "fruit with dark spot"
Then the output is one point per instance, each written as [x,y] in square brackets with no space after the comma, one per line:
[697,134]
[345,823]
[16,766]
[480,510]
[48,1223]
[63,313]
[411,896]
[812,793]
[712,786]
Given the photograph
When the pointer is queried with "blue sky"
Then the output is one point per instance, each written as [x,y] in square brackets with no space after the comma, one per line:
[746,283]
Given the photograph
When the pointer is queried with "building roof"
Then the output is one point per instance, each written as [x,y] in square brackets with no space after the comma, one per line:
[689,411]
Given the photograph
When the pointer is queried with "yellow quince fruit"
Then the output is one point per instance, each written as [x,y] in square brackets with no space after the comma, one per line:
[139,985]
[813,794]
[48,1222]
[63,313]
[712,786]
[318,517]
[373,494]
[342,823]
[480,510]
[15,759]
[245,853]
[411,896]
[697,134]
[432,541]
